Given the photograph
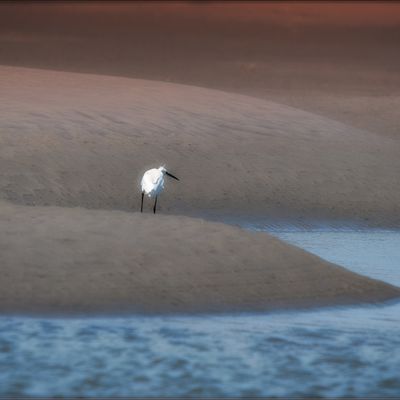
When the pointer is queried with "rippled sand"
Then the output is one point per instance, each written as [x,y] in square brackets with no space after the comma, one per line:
[83,140]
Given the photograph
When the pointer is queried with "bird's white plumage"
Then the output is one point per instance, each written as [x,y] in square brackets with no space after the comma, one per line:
[153,181]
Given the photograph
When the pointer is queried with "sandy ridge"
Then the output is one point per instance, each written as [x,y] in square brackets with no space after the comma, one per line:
[61,260]
[83,140]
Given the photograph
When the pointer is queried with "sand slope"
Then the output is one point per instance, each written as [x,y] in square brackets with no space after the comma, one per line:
[83,140]
[75,260]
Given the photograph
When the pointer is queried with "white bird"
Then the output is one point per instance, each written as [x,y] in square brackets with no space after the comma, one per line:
[152,184]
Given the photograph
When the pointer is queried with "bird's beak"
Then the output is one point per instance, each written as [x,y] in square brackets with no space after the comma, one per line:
[172,176]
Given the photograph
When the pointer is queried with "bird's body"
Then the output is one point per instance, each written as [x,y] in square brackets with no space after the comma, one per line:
[152,184]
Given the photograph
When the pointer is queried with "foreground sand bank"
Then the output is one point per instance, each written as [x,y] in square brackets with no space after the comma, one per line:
[83,140]
[61,260]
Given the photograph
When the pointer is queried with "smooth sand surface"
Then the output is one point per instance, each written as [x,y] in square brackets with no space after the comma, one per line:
[84,140]
[61,260]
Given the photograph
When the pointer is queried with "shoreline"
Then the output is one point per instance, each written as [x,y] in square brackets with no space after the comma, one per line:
[365,305]
[74,261]
[291,221]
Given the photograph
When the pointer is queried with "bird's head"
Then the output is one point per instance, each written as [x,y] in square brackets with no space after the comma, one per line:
[164,171]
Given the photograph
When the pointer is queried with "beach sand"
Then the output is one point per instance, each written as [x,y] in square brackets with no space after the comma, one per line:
[72,139]
[75,261]
[73,148]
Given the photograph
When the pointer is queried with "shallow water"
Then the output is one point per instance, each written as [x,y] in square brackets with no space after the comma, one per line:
[349,351]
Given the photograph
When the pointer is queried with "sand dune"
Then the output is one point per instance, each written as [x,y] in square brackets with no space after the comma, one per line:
[83,140]
[76,260]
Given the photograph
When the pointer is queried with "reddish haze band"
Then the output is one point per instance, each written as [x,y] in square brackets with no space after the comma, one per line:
[282,13]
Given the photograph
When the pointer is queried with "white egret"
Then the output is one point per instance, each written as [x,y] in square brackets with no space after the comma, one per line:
[152,184]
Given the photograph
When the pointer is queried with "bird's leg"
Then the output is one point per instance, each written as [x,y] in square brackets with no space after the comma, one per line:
[141,205]
[155,205]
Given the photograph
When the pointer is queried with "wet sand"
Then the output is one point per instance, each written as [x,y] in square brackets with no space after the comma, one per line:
[72,261]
